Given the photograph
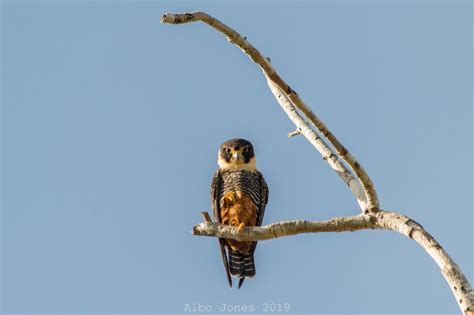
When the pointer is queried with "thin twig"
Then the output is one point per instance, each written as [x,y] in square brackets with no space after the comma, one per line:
[295,133]
[205,217]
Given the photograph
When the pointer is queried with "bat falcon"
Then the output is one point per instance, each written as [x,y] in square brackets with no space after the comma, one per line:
[239,195]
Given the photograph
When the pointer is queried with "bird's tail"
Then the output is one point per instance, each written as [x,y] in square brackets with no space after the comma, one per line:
[241,265]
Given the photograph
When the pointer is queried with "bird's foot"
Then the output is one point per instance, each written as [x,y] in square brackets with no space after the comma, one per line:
[229,199]
[241,227]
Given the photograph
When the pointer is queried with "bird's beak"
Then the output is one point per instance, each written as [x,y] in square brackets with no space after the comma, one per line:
[236,156]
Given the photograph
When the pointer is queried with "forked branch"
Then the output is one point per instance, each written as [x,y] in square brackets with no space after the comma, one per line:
[358,180]
[382,220]
[371,202]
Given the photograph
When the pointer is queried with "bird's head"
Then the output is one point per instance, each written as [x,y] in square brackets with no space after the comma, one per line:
[236,154]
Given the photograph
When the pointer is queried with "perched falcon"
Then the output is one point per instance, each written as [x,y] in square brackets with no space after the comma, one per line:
[239,195]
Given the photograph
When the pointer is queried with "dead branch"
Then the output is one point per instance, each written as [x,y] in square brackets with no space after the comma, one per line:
[284,228]
[382,220]
[360,184]
[273,78]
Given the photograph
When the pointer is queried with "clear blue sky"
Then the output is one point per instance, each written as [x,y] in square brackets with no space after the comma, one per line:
[111,123]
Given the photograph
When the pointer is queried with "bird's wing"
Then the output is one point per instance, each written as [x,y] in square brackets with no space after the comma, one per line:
[263,199]
[263,203]
[215,191]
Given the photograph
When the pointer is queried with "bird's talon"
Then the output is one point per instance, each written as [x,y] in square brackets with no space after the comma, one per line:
[241,227]
[240,194]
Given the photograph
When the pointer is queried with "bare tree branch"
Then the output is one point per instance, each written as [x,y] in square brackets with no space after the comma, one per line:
[328,155]
[284,228]
[361,186]
[274,78]
[383,220]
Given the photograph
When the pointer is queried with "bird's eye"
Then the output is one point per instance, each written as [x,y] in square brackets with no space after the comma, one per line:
[227,150]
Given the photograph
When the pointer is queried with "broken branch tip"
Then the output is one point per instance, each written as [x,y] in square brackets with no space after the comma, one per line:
[294,133]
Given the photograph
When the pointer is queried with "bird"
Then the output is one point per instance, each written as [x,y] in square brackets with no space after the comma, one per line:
[239,195]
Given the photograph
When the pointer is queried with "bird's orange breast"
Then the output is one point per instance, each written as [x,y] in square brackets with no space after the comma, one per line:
[238,209]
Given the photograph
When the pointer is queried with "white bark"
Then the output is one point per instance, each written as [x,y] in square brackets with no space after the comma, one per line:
[361,186]
[272,76]
[320,145]
[383,220]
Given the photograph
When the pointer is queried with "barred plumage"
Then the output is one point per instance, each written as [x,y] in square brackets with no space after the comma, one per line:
[245,181]
[239,195]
